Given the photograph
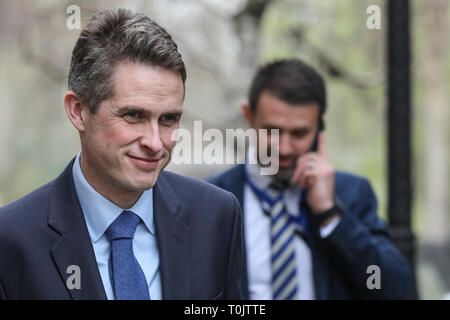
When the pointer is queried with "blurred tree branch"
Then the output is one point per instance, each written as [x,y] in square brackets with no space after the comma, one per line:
[254,9]
[44,65]
[331,67]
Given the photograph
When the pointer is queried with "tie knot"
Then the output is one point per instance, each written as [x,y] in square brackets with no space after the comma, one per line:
[123,227]
[279,186]
[275,192]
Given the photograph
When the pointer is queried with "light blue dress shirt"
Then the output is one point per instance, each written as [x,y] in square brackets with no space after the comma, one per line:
[99,213]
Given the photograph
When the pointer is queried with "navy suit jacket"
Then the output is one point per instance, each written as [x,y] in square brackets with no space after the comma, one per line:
[361,239]
[198,231]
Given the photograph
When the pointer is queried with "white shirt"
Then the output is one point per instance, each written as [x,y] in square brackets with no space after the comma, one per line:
[257,238]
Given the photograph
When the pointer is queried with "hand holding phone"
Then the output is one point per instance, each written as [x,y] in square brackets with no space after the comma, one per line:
[315,174]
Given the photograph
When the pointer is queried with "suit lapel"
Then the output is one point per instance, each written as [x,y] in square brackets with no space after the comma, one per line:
[74,247]
[174,240]
[234,181]
[238,190]
[238,175]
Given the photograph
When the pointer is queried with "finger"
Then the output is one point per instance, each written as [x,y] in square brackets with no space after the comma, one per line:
[300,166]
[321,145]
[307,179]
[307,157]
[298,171]
[310,158]
[303,163]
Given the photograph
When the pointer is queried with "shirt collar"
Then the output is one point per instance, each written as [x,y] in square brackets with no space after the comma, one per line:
[99,212]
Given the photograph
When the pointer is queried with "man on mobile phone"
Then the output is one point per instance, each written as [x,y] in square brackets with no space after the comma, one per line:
[310,232]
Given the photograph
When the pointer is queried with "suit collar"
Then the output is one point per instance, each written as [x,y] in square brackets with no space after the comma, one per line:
[74,247]
[174,238]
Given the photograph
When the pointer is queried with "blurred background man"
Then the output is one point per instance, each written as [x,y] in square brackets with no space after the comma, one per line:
[310,232]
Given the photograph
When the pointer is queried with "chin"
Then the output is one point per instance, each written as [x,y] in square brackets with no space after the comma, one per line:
[284,174]
[140,187]
[145,184]
[139,183]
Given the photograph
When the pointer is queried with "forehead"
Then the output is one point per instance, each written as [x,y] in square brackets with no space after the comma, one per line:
[274,112]
[147,85]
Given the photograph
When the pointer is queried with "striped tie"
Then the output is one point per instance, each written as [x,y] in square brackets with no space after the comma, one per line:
[284,273]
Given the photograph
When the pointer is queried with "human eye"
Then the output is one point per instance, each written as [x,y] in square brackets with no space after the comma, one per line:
[132,116]
[169,119]
[300,133]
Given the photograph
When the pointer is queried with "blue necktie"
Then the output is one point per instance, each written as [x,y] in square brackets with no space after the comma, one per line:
[127,277]
[282,234]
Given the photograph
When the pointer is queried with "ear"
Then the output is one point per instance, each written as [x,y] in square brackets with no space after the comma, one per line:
[75,110]
[248,114]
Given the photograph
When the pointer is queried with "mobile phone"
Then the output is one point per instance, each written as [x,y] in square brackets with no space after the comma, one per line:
[315,143]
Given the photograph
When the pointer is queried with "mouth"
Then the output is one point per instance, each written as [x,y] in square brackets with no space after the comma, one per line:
[286,162]
[143,162]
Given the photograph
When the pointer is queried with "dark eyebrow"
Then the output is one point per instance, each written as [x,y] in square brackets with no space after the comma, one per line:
[269,127]
[131,108]
[172,113]
[304,129]
[300,130]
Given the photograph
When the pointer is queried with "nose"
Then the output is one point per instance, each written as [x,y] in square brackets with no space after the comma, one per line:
[151,138]
[285,144]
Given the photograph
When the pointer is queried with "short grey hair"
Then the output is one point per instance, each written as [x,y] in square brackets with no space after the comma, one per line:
[113,36]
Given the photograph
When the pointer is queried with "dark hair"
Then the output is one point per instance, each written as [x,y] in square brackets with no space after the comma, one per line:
[112,36]
[292,81]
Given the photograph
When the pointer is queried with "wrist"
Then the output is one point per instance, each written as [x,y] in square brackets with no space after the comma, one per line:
[324,207]
[324,218]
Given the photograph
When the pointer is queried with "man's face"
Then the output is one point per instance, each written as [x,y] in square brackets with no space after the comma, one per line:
[127,143]
[297,126]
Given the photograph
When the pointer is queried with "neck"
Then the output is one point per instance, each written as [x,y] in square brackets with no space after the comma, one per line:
[282,178]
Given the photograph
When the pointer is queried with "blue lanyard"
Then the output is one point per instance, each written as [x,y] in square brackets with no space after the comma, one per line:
[300,220]
[262,196]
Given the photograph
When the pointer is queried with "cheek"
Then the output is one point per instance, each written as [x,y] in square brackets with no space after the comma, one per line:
[114,137]
[122,134]
[266,138]
[166,137]
[303,145]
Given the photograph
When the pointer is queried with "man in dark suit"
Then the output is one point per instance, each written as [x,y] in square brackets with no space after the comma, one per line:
[310,232]
[113,225]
